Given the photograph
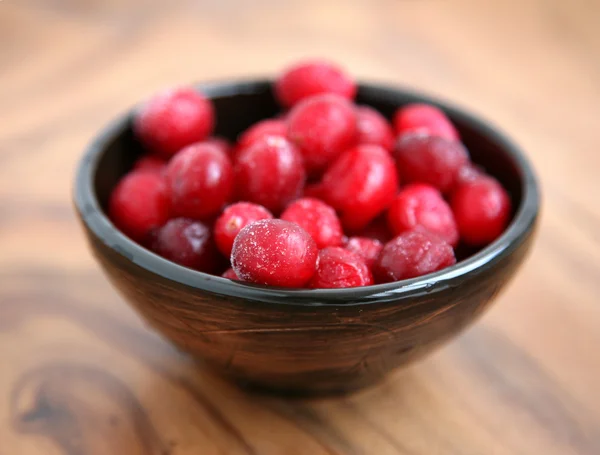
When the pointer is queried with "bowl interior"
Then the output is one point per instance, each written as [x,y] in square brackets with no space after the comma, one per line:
[240,104]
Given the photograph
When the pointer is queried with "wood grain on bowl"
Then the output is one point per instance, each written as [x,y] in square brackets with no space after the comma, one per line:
[79,373]
[304,349]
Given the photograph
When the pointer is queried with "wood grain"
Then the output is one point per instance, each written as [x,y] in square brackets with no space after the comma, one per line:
[79,374]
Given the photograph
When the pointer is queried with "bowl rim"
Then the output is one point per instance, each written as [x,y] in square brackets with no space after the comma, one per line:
[88,207]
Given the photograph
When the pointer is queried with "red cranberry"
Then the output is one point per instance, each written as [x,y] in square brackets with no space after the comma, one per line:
[316,218]
[426,119]
[151,163]
[430,159]
[270,173]
[221,143]
[340,268]
[275,253]
[422,206]
[482,210]
[368,249]
[312,78]
[268,127]
[233,219]
[173,119]
[188,243]
[373,128]
[322,127]
[360,185]
[230,273]
[412,254]
[139,203]
[200,181]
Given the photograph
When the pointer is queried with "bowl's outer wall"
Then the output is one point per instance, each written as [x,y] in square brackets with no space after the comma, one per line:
[314,349]
[318,349]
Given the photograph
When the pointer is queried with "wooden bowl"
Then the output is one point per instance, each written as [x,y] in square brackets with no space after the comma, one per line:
[304,341]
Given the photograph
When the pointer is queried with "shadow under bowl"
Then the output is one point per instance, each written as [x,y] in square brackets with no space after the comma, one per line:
[304,341]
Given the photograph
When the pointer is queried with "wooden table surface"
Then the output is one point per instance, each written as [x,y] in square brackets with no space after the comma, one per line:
[80,374]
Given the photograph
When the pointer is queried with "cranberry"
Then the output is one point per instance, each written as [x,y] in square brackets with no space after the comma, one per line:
[200,180]
[188,243]
[311,78]
[316,218]
[340,268]
[322,127]
[268,127]
[412,254]
[151,163]
[270,173]
[233,219]
[424,118]
[274,252]
[360,185]
[221,143]
[422,206]
[230,273]
[482,210]
[368,249]
[373,128]
[173,119]
[430,159]
[139,203]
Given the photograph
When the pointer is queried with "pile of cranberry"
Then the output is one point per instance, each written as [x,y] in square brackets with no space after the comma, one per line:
[327,195]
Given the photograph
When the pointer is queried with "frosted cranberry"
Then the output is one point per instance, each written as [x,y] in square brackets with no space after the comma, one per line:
[233,219]
[316,218]
[311,78]
[230,273]
[422,206]
[368,249]
[139,203]
[270,173]
[150,163]
[322,127]
[268,127]
[340,268]
[200,181]
[430,159]
[412,254]
[173,119]
[188,243]
[275,253]
[360,185]
[373,128]
[220,142]
[482,210]
[426,119]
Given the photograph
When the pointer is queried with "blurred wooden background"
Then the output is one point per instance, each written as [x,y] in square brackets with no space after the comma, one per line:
[79,374]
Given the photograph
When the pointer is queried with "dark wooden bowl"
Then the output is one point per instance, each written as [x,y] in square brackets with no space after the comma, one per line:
[306,341]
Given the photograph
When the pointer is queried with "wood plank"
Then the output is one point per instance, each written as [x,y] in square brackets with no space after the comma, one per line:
[80,374]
